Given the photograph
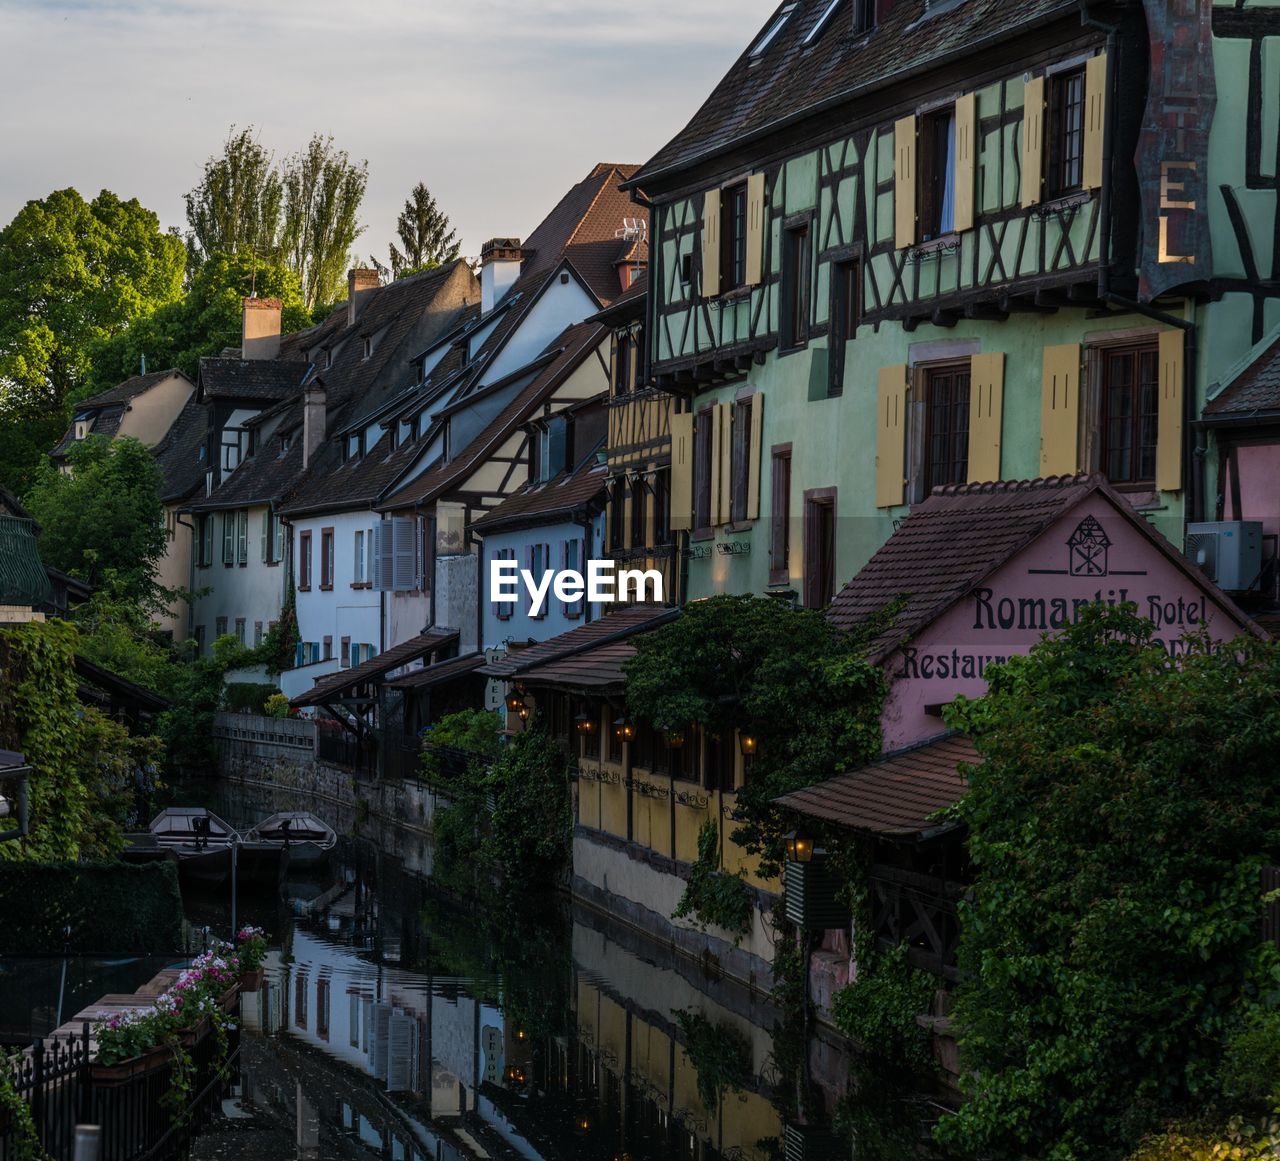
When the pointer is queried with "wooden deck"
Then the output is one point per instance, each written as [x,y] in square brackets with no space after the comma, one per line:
[112,1004]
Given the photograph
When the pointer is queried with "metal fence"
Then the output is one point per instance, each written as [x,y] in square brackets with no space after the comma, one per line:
[56,1078]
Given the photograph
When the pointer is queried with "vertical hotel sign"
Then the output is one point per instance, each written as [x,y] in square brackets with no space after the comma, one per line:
[1173,148]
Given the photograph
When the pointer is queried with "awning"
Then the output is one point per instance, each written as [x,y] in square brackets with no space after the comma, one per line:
[441,671]
[334,685]
[894,797]
[23,580]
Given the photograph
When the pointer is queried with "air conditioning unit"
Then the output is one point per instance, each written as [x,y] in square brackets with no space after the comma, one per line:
[1228,551]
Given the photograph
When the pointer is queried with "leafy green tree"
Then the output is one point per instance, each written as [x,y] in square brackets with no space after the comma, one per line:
[323,190]
[237,206]
[104,518]
[72,273]
[204,321]
[424,232]
[785,676]
[1117,824]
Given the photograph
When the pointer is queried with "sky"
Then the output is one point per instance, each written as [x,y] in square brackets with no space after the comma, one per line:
[498,105]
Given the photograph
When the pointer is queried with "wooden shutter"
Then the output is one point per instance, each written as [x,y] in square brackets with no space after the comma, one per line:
[723,464]
[904,182]
[1095,119]
[1032,142]
[1060,410]
[891,436]
[986,413]
[682,472]
[755,229]
[753,456]
[266,534]
[383,556]
[711,243]
[966,159]
[1169,422]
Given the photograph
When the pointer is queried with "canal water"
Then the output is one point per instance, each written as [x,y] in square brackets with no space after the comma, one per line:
[399,1020]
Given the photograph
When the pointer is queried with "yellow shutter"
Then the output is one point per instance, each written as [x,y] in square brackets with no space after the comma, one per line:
[891,435]
[755,229]
[1169,423]
[682,471]
[711,243]
[904,182]
[753,461]
[1095,118]
[723,463]
[1060,410]
[966,159]
[1033,142]
[986,413]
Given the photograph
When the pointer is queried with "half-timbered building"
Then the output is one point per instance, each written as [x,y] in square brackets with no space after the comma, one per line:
[908,243]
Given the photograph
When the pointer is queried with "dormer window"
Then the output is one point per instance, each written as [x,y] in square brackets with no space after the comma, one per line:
[82,428]
[864,16]
[404,431]
[353,446]
[328,357]
[821,23]
[771,33]
[367,348]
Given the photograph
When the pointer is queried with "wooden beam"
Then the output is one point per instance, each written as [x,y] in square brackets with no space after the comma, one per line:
[944,318]
[986,312]
[1010,303]
[1051,299]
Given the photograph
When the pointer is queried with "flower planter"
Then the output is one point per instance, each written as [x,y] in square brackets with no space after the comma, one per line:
[230,999]
[115,1075]
[188,1037]
[251,980]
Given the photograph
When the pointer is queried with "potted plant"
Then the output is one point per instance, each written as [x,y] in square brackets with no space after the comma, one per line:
[251,950]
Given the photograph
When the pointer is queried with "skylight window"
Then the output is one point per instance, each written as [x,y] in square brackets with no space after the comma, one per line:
[771,33]
[822,22]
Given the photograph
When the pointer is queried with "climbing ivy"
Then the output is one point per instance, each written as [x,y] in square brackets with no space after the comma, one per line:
[719,1053]
[712,896]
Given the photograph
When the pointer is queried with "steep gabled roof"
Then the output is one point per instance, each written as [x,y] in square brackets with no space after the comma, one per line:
[962,534]
[334,685]
[610,628]
[258,380]
[790,79]
[1254,391]
[128,389]
[567,496]
[179,454]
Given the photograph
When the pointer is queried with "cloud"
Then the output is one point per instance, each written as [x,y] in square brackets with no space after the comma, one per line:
[499,105]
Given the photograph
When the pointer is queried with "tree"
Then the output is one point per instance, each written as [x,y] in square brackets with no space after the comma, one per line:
[424,233]
[785,676]
[1117,823]
[236,207]
[204,321]
[323,190]
[72,273]
[104,519]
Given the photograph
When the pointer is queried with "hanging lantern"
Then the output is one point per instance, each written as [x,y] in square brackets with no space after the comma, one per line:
[799,846]
[584,723]
[675,739]
[624,729]
[747,743]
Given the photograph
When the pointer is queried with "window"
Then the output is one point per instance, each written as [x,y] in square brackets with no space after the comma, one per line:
[326,558]
[257,633]
[821,23]
[328,648]
[946,423]
[733,237]
[719,772]
[304,560]
[552,448]
[264,537]
[622,364]
[344,652]
[846,303]
[780,516]
[358,558]
[1130,401]
[795,285]
[502,609]
[205,557]
[1066,133]
[539,562]
[400,562]
[272,538]
[686,271]
[591,741]
[662,507]
[938,173]
[741,464]
[367,347]
[819,547]
[615,739]
[617,513]
[242,536]
[199,639]
[638,520]
[864,16]
[220,627]
[702,472]
[770,34]
[228,538]
[573,562]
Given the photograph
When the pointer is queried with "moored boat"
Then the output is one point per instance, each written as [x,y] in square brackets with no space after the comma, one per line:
[308,839]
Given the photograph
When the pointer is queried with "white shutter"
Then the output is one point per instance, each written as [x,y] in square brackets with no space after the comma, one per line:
[402,1053]
[404,554]
[266,532]
[382,556]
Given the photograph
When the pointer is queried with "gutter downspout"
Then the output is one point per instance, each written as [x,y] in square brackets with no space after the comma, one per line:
[191,572]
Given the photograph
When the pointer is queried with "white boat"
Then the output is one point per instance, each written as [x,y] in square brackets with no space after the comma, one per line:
[308,839]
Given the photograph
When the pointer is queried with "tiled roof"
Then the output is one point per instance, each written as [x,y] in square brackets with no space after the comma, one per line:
[628,305]
[178,454]
[264,478]
[894,797]
[1254,391]
[559,498]
[258,379]
[610,628]
[790,79]
[577,343]
[963,533]
[597,669]
[334,684]
[441,671]
[332,485]
[123,392]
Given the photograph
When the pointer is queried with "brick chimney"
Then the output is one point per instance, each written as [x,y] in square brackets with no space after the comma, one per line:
[360,281]
[314,407]
[500,260]
[260,328]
